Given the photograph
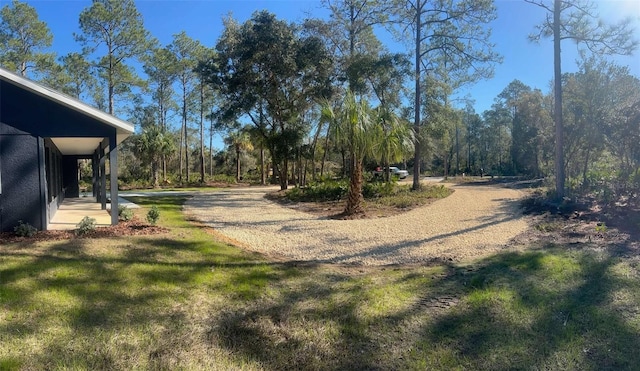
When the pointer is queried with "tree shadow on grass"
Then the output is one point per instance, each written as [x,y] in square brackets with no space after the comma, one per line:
[515,311]
[572,321]
[77,302]
[551,308]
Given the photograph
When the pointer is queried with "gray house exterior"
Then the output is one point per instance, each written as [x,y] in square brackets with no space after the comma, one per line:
[43,134]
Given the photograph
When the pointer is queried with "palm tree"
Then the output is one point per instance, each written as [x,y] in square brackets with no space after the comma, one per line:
[239,141]
[153,145]
[354,129]
[395,138]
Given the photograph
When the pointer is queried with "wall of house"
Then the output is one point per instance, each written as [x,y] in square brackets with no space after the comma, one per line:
[22,168]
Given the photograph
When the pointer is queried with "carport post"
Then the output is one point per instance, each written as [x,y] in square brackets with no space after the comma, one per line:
[113,170]
[94,173]
[103,179]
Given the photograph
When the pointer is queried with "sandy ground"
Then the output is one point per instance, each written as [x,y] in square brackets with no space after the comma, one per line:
[476,220]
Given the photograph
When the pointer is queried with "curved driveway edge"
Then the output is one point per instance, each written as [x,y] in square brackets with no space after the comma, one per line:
[476,220]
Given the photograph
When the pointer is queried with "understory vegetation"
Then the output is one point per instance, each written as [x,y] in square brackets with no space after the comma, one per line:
[180,300]
[389,193]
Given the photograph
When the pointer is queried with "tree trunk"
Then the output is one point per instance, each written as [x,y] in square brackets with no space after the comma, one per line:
[180,154]
[263,175]
[283,172]
[110,87]
[344,162]
[557,114]
[416,124]
[237,164]
[354,199]
[446,165]
[201,132]
[457,150]
[387,170]
[324,153]
[154,174]
[211,149]
[186,154]
[164,168]
[184,142]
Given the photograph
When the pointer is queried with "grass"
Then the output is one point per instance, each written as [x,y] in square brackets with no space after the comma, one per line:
[184,301]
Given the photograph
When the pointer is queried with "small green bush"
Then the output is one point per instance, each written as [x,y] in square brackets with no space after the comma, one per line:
[331,190]
[24,229]
[378,189]
[85,226]
[124,213]
[222,178]
[601,227]
[153,215]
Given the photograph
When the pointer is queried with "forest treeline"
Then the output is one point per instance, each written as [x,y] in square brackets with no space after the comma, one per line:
[299,102]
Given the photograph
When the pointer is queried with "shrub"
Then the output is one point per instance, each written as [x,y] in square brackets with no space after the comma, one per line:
[24,229]
[331,190]
[124,213]
[378,189]
[223,178]
[153,215]
[85,226]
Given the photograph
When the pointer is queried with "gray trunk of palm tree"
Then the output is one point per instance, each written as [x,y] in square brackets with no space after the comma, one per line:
[354,198]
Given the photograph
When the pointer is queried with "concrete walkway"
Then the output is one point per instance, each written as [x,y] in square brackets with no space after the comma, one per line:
[72,210]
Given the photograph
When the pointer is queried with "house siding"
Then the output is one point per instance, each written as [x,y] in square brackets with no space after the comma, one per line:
[22,169]
[35,175]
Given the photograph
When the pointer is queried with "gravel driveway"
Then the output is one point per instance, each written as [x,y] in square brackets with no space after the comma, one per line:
[474,221]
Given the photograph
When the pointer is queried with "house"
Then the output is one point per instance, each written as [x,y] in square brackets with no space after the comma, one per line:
[43,134]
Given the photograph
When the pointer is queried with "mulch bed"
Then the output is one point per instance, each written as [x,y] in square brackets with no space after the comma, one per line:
[613,226]
[133,227]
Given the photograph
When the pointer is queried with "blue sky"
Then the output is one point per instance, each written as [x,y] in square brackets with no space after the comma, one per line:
[529,62]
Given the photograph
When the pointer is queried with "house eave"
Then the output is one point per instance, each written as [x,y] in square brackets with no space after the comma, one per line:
[123,128]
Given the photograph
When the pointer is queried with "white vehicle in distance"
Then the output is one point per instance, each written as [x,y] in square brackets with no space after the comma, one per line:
[394,171]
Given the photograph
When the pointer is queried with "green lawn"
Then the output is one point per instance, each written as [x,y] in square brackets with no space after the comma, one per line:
[183,301]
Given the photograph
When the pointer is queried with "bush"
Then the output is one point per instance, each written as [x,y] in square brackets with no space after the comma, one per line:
[331,190]
[153,215]
[222,178]
[85,226]
[124,213]
[24,229]
[378,189]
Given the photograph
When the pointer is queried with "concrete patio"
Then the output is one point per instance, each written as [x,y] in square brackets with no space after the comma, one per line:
[72,210]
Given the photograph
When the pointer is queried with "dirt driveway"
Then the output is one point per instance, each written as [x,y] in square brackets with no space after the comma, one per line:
[476,220]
